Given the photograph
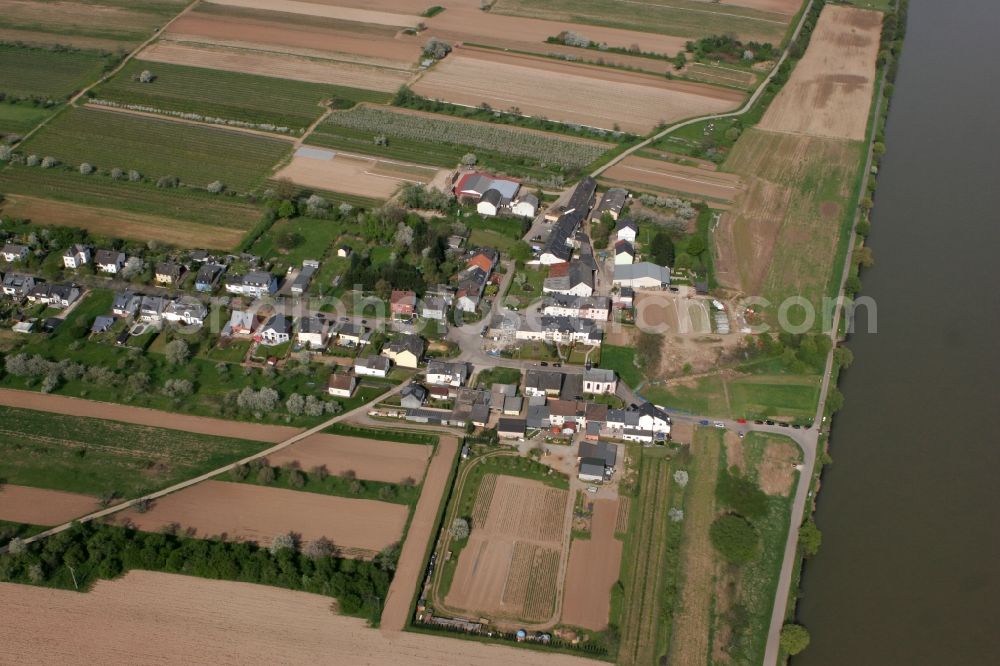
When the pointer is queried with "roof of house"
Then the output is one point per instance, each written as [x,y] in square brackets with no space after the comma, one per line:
[402,297]
[13,248]
[311,325]
[613,200]
[601,451]
[563,407]
[76,249]
[278,323]
[152,304]
[579,201]
[492,196]
[438,367]
[415,390]
[350,329]
[261,278]
[572,388]
[644,269]
[105,257]
[624,247]
[434,304]
[242,319]
[543,380]
[626,223]
[591,467]
[513,403]
[342,381]
[188,304]
[538,416]
[411,343]
[372,362]
[480,413]
[101,323]
[596,412]
[528,199]
[169,268]
[599,375]
[576,302]
[208,272]
[477,184]
[511,425]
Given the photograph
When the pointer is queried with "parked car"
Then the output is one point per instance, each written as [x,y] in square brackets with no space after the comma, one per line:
[544,364]
[557,365]
[741,420]
[720,424]
[703,422]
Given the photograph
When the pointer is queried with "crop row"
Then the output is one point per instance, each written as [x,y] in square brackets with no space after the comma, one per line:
[469,135]
[196,155]
[46,73]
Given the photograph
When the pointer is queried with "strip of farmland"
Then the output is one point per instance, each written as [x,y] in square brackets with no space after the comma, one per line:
[39,506]
[685,180]
[117,25]
[26,72]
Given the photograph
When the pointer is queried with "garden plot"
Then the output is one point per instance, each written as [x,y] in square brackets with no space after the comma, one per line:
[602,97]
[510,567]
[244,512]
[353,174]
[593,568]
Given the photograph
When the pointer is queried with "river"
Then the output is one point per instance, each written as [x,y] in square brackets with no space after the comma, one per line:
[909,570]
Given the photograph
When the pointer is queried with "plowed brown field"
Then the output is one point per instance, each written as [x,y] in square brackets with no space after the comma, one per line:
[830,90]
[38,506]
[593,568]
[364,176]
[326,11]
[600,97]
[245,512]
[370,459]
[676,178]
[157,618]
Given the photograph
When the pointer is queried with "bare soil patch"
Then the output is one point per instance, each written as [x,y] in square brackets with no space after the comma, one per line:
[593,568]
[46,402]
[297,39]
[122,224]
[509,568]
[830,90]
[236,57]
[38,506]
[244,512]
[410,566]
[687,180]
[356,174]
[541,87]
[776,471]
[734,451]
[790,7]
[173,619]
[326,11]
[370,459]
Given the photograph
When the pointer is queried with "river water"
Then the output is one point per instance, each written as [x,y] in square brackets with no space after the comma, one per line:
[909,570]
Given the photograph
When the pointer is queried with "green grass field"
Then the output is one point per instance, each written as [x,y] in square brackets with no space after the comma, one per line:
[197,155]
[782,397]
[442,141]
[622,361]
[229,95]
[27,72]
[684,18]
[20,118]
[95,456]
[316,238]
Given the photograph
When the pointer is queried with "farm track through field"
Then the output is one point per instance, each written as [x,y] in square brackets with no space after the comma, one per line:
[197,123]
[641,614]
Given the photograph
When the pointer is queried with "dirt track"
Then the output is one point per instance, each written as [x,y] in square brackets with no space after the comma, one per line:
[370,459]
[410,567]
[144,416]
[156,618]
[247,512]
[593,568]
[38,506]
[830,90]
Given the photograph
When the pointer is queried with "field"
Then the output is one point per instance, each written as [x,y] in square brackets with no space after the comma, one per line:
[593,569]
[364,176]
[193,620]
[27,72]
[127,224]
[244,512]
[19,118]
[783,236]
[432,139]
[195,154]
[328,10]
[782,397]
[37,506]
[243,59]
[540,87]
[102,24]
[622,361]
[691,636]
[645,566]
[370,459]
[685,18]
[55,405]
[658,176]
[830,90]
[229,95]
[317,238]
[509,568]
[96,456]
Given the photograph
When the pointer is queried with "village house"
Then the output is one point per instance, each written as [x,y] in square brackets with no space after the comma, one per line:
[526,205]
[595,308]
[572,279]
[625,298]
[255,284]
[440,393]
[597,461]
[151,309]
[302,280]
[405,351]
[626,230]
[472,281]
[542,382]
[562,330]
[186,309]
[353,335]
[101,324]
[511,428]
[433,307]
[443,373]
[341,385]
[372,366]
[126,304]
[402,303]
[242,323]
[207,276]
[109,261]
[644,275]
[611,203]
[76,256]
[645,424]
[12,252]
[168,273]
[312,332]
[276,330]
[54,295]
[412,396]
[599,381]
[624,253]
[17,285]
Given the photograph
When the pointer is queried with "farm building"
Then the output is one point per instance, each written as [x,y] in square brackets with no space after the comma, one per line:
[626,229]
[599,381]
[525,206]
[490,203]
[611,203]
[372,366]
[597,460]
[76,256]
[511,428]
[412,396]
[275,331]
[492,195]
[644,275]
[12,252]
[624,253]
[109,261]
[405,351]
[570,279]
[341,385]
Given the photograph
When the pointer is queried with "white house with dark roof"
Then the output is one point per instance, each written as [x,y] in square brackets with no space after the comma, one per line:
[312,332]
[644,275]
[341,385]
[526,205]
[12,252]
[276,331]
[126,304]
[443,373]
[611,203]
[151,309]
[186,309]
[76,256]
[599,381]
[626,229]
[372,366]
[109,261]
[624,253]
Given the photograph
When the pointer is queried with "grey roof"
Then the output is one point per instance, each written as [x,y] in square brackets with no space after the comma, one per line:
[169,268]
[599,375]
[12,248]
[644,269]
[624,246]
[279,323]
[258,278]
[373,362]
[613,200]
[513,403]
[545,380]
[433,303]
[414,390]
[511,425]
[591,467]
[572,388]
[529,198]
[311,325]
[188,304]
[351,329]
[481,183]
[480,413]
[603,451]
[208,273]
[577,302]
[626,222]
[538,416]
[579,273]
[492,196]
[105,257]
[579,201]
[412,343]
[101,324]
